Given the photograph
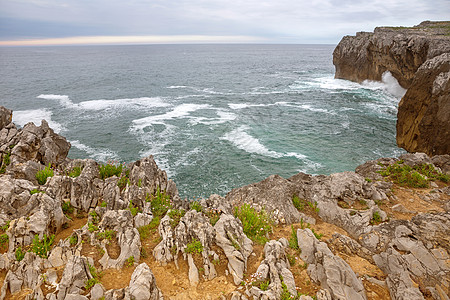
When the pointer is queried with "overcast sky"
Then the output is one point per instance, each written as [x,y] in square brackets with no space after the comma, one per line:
[171,21]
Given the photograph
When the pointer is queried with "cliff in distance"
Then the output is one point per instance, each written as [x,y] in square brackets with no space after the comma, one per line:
[419,58]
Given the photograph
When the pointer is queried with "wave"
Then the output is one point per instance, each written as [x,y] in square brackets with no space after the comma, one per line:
[101,104]
[223,117]
[242,140]
[388,84]
[95,153]
[180,111]
[236,106]
[22,117]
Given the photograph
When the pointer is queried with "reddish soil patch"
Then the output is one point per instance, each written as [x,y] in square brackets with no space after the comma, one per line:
[73,225]
[88,250]
[113,248]
[116,279]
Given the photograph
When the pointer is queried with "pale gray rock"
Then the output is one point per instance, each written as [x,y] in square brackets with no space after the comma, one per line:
[143,285]
[235,244]
[333,273]
[162,252]
[5,117]
[97,291]
[193,271]
[74,278]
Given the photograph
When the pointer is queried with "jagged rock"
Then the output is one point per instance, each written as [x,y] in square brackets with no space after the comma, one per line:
[193,271]
[331,271]
[162,252]
[275,268]
[39,143]
[128,238]
[423,119]
[235,244]
[217,203]
[5,116]
[45,216]
[74,278]
[349,246]
[23,274]
[15,198]
[442,162]
[97,291]
[143,285]
[274,194]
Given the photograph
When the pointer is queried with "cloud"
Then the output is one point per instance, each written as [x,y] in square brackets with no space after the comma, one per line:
[278,20]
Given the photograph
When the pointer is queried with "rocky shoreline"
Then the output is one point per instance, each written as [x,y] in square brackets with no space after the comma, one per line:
[351,235]
[419,58]
[77,229]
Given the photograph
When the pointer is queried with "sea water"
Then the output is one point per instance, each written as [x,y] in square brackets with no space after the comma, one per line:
[214,117]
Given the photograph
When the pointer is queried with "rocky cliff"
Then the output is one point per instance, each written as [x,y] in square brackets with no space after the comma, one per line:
[103,231]
[418,57]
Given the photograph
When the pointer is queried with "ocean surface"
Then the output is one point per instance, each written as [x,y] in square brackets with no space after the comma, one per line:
[215,117]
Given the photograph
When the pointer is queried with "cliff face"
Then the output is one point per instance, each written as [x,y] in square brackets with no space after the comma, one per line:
[409,54]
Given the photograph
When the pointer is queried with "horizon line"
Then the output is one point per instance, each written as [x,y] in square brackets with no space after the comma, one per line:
[142,40]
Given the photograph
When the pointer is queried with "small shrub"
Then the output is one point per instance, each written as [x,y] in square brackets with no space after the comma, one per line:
[264,285]
[293,240]
[42,175]
[196,206]
[6,226]
[256,224]
[95,217]
[103,204]
[144,231]
[73,239]
[75,172]
[194,247]
[368,179]
[298,204]
[67,208]
[139,184]
[213,215]
[6,161]
[176,215]
[134,210]
[95,277]
[291,259]
[122,182]
[130,261]
[160,203]
[107,234]
[110,169]
[19,254]
[317,235]
[41,248]
[92,227]
[35,191]
[376,218]
[3,240]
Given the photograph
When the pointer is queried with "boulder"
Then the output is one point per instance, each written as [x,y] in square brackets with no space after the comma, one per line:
[5,117]
[143,285]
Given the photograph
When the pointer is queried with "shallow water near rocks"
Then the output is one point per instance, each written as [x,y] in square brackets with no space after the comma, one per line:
[215,117]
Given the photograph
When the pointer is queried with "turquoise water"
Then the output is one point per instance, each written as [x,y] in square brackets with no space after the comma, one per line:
[215,117]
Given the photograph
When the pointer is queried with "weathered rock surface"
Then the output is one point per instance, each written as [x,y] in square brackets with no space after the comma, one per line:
[143,285]
[331,271]
[423,119]
[419,58]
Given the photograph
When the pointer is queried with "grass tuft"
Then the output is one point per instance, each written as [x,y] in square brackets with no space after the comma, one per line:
[257,225]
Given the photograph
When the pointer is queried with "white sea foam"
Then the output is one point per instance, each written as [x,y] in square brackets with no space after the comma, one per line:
[242,140]
[180,111]
[177,87]
[223,117]
[95,153]
[388,84]
[22,117]
[101,104]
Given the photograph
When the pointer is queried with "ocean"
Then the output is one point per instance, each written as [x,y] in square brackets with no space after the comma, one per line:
[215,117]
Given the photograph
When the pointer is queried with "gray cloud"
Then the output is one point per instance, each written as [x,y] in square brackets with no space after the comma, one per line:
[278,20]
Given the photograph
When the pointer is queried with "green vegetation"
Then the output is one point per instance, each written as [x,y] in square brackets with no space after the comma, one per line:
[256,224]
[160,203]
[41,248]
[92,227]
[144,231]
[376,218]
[103,204]
[6,226]
[95,217]
[19,254]
[107,234]
[133,209]
[3,240]
[293,240]
[123,181]
[110,169]
[5,162]
[317,235]
[42,175]
[67,208]
[95,277]
[213,215]
[300,204]
[35,191]
[130,261]
[176,215]
[73,239]
[196,206]
[417,176]
[194,247]
[75,172]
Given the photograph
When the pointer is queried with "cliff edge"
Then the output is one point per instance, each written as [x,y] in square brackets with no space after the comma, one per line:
[418,57]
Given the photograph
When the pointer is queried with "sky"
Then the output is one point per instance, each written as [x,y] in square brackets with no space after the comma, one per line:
[59,22]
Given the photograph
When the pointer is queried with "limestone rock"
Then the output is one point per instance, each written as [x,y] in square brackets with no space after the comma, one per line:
[423,119]
[143,285]
[331,271]
[235,244]
[74,278]
[5,117]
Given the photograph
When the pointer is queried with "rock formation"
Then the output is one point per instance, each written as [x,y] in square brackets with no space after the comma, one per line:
[418,57]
